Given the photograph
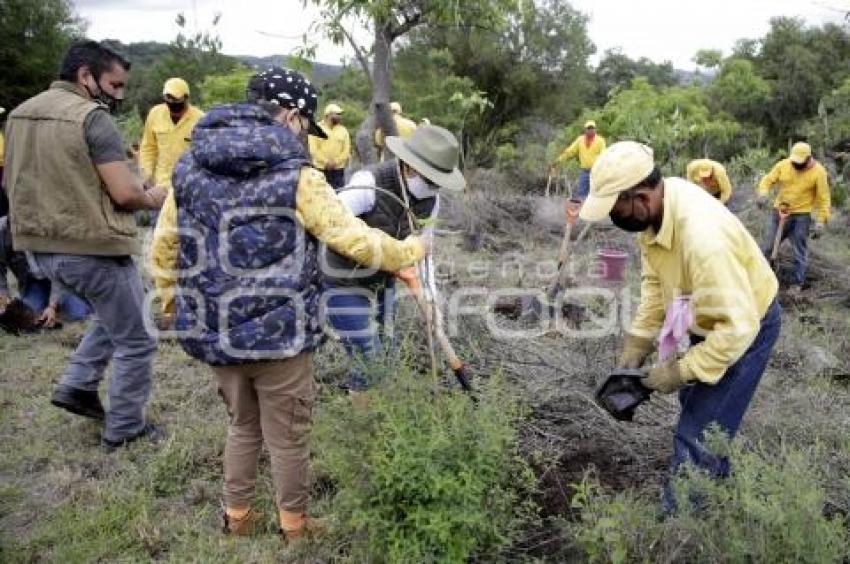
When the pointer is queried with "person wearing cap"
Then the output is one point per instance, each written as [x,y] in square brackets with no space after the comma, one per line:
[387,196]
[404,127]
[71,205]
[249,215]
[168,132]
[331,155]
[803,193]
[588,147]
[691,247]
[712,176]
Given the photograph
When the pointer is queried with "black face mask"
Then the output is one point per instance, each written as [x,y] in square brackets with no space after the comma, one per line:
[630,223]
[800,166]
[176,107]
[111,101]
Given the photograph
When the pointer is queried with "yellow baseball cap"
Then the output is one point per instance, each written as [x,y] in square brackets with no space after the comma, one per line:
[620,167]
[705,170]
[332,109]
[176,88]
[800,152]
[395,108]
[590,123]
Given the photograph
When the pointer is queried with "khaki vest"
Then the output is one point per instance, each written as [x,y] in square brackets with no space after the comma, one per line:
[57,201]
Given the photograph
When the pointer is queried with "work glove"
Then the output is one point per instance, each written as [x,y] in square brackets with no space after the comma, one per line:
[635,351]
[818,230]
[666,377]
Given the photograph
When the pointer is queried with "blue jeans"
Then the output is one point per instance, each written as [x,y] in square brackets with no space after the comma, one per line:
[36,294]
[351,312]
[583,186]
[797,227]
[114,288]
[722,404]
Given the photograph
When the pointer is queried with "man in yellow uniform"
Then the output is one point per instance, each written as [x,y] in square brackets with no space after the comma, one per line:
[168,132]
[803,191]
[331,155]
[693,249]
[712,176]
[588,147]
[404,126]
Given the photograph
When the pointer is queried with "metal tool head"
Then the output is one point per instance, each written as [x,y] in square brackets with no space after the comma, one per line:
[622,392]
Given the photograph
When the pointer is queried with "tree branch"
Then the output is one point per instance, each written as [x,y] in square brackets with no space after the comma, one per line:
[359,54]
[410,21]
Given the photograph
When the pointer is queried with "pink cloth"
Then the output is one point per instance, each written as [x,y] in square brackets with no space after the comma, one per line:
[674,333]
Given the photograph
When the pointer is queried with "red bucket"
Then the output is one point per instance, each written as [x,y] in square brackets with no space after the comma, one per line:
[613,264]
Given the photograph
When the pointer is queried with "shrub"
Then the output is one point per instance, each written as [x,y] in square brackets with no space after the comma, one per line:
[771,509]
[424,475]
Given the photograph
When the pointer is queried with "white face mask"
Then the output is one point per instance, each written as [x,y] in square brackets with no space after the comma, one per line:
[419,188]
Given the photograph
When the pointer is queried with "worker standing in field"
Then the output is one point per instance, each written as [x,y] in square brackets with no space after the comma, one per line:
[803,192]
[168,132]
[331,155]
[588,147]
[405,128]
[249,218]
[70,207]
[712,176]
[383,195]
[699,263]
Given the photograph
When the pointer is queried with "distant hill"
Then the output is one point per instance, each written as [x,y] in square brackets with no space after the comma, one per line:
[322,73]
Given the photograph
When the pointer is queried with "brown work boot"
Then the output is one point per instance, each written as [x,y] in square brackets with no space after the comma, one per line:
[239,523]
[296,527]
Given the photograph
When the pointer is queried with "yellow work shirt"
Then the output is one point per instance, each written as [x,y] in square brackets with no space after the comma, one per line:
[163,142]
[2,149]
[718,184]
[703,251]
[802,191]
[587,154]
[334,152]
[321,213]
[404,126]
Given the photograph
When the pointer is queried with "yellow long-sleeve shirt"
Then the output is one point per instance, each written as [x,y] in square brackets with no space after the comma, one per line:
[404,126]
[804,191]
[335,151]
[322,214]
[702,250]
[587,155]
[163,142]
[717,185]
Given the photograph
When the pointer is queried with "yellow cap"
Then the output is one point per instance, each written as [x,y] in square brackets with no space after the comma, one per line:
[800,152]
[176,88]
[590,123]
[705,170]
[620,167]
[395,108]
[332,109]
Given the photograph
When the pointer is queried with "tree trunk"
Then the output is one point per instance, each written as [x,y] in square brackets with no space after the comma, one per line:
[364,141]
[382,81]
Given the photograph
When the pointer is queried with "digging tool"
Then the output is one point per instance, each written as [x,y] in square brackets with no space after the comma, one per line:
[548,183]
[783,218]
[434,320]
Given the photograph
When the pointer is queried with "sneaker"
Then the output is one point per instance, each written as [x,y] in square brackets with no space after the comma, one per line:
[154,433]
[78,402]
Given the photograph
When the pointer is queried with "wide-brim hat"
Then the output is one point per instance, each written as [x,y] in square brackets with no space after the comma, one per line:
[432,151]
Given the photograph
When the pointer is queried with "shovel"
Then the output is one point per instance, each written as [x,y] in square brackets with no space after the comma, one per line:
[783,219]
[433,317]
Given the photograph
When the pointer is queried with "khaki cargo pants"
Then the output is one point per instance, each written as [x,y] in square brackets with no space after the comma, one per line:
[269,402]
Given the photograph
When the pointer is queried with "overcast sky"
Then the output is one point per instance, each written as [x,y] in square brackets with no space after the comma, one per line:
[659,29]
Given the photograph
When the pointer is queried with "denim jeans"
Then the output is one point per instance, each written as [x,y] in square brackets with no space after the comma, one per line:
[583,186]
[360,316]
[36,294]
[114,289]
[797,227]
[722,404]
